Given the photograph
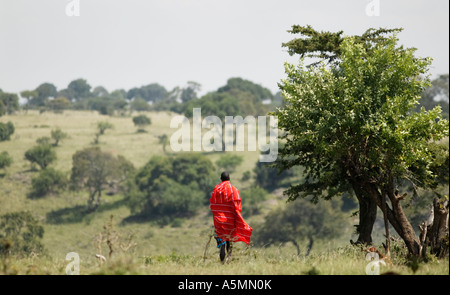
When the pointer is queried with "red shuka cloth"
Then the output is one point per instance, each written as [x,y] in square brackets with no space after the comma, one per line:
[226,208]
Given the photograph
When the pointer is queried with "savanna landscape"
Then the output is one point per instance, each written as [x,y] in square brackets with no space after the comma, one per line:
[343,170]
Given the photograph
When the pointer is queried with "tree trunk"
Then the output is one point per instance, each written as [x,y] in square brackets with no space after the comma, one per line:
[386,224]
[438,234]
[310,245]
[397,218]
[296,246]
[367,216]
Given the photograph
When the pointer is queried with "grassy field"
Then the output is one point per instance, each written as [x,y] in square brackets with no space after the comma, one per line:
[184,247]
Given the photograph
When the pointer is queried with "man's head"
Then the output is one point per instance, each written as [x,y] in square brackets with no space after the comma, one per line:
[224,176]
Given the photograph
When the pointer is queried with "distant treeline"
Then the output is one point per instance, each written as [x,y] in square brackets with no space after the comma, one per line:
[237,97]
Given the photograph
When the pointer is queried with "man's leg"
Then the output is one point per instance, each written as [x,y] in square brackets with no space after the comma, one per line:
[229,250]
[222,252]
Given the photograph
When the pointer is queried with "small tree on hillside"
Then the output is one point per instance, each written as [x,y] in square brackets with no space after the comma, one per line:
[6,130]
[58,135]
[94,170]
[102,127]
[141,121]
[5,160]
[164,141]
[48,181]
[41,154]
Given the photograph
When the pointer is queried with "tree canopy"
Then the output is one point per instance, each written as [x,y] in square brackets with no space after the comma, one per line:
[171,186]
[350,125]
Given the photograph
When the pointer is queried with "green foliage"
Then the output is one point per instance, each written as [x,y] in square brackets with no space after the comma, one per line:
[190,92]
[259,92]
[78,89]
[252,199]
[41,154]
[39,97]
[171,186]
[9,103]
[58,135]
[5,160]
[353,120]
[302,220]
[59,104]
[49,181]
[105,105]
[6,130]
[326,46]
[141,121]
[238,98]
[22,232]
[214,104]
[43,140]
[269,177]
[139,104]
[229,162]
[153,92]
[103,126]
[93,169]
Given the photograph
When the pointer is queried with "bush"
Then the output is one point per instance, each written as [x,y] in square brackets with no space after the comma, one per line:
[49,181]
[41,154]
[58,135]
[103,126]
[20,234]
[6,130]
[252,199]
[5,160]
[171,187]
[141,121]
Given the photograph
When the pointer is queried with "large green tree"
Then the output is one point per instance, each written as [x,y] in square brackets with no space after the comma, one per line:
[324,46]
[350,125]
[171,186]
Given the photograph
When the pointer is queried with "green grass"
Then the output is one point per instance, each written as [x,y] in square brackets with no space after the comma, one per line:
[177,248]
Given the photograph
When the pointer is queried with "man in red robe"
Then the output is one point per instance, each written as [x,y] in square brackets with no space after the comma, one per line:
[228,222]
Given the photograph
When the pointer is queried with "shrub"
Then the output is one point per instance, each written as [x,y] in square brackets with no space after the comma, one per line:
[49,181]
[171,187]
[229,162]
[41,154]
[21,232]
[141,121]
[6,130]
[5,160]
[252,198]
[58,135]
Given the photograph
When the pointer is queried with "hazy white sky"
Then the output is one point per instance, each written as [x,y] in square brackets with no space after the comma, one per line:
[130,43]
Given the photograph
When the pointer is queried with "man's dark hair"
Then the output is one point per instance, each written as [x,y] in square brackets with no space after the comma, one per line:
[224,176]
